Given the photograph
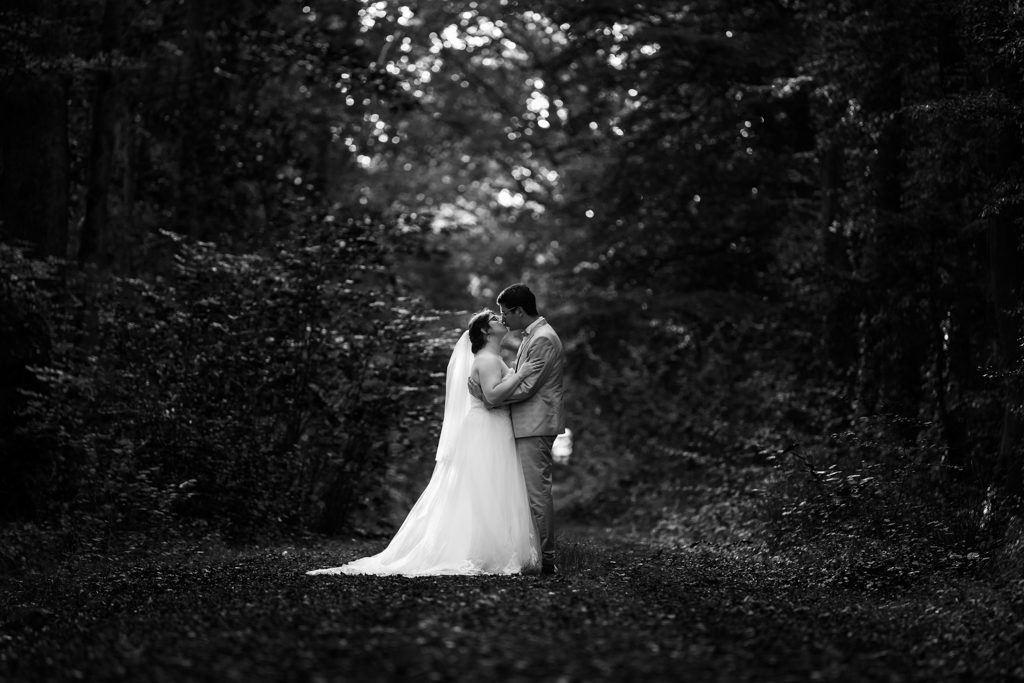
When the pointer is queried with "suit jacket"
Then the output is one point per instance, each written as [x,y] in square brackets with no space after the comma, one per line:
[536,404]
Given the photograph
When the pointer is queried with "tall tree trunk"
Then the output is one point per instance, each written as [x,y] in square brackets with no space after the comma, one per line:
[34,154]
[1006,283]
[94,243]
[840,323]
[949,325]
[189,123]
[1006,278]
[891,376]
[952,320]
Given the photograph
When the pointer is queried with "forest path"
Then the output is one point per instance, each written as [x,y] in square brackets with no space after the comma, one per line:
[622,610]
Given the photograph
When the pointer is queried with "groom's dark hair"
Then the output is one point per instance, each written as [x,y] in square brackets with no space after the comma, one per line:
[518,296]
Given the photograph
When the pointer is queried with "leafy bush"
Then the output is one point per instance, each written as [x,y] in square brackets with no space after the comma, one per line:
[241,391]
[26,343]
[670,413]
[876,510]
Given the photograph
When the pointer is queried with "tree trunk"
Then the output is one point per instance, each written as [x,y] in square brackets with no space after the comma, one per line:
[890,379]
[949,325]
[94,244]
[188,145]
[840,323]
[34,152]
[1006,283]
[1006,267]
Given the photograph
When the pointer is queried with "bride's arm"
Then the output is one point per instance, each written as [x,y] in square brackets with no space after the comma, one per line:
[496,388]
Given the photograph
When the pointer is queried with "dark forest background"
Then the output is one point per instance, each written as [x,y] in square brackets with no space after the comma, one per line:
[782,241]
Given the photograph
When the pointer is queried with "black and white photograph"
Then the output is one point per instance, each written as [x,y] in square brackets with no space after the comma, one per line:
[548,341]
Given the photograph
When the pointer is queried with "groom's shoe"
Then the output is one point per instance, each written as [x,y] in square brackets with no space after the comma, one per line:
[549,569]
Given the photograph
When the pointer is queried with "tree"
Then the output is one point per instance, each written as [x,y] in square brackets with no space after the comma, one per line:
[34,156]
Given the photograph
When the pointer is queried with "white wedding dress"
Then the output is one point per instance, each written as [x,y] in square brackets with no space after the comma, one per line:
[473,517]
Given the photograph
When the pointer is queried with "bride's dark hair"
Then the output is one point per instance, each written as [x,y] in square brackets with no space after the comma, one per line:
[479,327]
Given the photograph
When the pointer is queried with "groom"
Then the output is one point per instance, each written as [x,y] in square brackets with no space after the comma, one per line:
[536,408]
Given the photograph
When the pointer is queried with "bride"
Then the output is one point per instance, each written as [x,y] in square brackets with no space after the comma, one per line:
[473,517]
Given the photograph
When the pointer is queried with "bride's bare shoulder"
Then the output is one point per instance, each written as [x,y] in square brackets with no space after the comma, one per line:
[487,359]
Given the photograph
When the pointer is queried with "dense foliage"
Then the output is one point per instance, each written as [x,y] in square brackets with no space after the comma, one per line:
[237,391]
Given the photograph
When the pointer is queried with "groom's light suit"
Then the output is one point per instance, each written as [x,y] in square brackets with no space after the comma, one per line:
[537,418]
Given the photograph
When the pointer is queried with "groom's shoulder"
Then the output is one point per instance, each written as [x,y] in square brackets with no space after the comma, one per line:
[548,330]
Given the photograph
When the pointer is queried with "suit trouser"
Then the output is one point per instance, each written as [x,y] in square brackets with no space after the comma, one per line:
[535,458]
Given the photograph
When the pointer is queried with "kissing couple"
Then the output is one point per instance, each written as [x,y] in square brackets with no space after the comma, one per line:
[488,507]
